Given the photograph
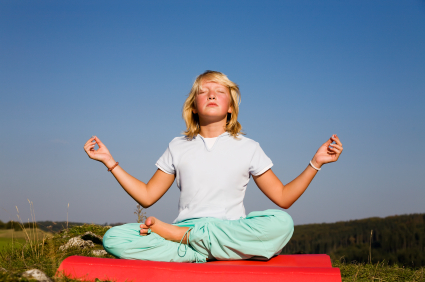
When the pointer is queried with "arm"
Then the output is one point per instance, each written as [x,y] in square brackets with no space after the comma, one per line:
[145,194]
[285,195]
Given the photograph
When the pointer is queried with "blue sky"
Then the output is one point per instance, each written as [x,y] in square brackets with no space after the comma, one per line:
[122,70]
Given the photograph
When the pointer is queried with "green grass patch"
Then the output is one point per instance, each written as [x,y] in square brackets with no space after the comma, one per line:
[7,242]
[19,238]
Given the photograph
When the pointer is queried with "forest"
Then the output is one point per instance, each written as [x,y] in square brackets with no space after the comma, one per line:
[396,239]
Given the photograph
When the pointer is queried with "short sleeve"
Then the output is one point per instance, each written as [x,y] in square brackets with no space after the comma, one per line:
[260,163]
[165,162]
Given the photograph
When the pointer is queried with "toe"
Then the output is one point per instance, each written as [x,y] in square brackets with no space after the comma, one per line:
[150,221]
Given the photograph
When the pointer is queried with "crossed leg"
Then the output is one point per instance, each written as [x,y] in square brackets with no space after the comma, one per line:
[260,235]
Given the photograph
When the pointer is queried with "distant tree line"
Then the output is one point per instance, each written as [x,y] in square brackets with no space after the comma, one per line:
[16,225]
[47,226]
[395,239]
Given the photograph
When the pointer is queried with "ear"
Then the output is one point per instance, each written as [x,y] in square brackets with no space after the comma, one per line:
[230,110]
[194,110]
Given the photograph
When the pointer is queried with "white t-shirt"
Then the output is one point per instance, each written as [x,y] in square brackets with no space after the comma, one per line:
[213,180]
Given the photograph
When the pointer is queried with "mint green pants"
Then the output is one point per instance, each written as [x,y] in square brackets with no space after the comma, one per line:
[260,235]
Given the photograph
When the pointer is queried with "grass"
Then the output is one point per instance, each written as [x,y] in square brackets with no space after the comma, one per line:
[378,272]
[44,255]
[6,242]
[19,238]
[9,233]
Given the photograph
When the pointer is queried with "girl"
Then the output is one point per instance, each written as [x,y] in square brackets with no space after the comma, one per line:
[212,164]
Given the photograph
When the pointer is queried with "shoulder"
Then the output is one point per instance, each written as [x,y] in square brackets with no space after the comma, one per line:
[243,144]
[246,141]
[180,141]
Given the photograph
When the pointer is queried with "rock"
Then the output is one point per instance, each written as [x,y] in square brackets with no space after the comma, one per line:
[76,242]
[37,275]
[92,237]
[99,252]
[88,239]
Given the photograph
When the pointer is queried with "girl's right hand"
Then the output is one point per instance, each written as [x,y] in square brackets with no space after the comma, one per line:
[102,154]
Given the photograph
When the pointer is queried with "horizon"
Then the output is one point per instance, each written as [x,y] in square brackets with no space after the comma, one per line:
[117,223]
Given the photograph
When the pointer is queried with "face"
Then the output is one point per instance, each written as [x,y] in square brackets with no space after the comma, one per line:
[212,101]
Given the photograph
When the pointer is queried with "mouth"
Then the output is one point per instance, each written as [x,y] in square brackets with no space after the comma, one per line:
[212,104]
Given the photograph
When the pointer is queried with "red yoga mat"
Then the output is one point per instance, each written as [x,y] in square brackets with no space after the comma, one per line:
[280,268]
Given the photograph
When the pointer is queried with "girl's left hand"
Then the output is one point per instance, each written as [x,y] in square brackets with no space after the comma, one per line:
[328,152]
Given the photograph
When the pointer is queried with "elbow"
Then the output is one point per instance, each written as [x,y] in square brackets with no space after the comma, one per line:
[285,205]
[146,205]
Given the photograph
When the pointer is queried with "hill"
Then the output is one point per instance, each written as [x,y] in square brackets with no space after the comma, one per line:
[396,239]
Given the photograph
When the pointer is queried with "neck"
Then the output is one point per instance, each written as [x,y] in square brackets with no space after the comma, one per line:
[212,129]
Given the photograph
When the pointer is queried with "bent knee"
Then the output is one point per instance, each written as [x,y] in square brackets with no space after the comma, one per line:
[108,235]
[281,225]
[109,240]
[285,219]
[114,240]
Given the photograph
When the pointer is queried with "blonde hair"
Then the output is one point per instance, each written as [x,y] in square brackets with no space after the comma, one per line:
[192,120]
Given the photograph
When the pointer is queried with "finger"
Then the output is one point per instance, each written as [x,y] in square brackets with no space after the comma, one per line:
[336,139]
[89,147]
[330,151]
[336,146]
[90,140]
[143,226]
[336,150]
[99,143]
[91,152]
[327,143]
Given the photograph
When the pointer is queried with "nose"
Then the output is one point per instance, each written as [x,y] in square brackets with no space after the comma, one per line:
[211,95]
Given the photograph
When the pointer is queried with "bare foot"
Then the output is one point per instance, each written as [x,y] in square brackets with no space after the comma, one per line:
[165,230]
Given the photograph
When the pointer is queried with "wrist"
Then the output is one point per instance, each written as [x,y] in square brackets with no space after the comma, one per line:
[316,164]
[109,163]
